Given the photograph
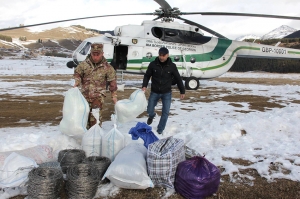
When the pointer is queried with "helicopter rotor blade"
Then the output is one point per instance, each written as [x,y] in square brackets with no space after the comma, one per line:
[202,27]
[163,4]
[52,22]
[240,14]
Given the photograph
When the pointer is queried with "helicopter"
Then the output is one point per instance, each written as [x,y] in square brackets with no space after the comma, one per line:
[132,47]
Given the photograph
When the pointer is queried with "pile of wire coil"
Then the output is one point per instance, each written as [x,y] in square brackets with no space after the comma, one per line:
[70,157]
[44,183]
[100,162]
[82,181]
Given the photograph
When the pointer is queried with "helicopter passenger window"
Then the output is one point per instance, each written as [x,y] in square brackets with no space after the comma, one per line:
[85,49]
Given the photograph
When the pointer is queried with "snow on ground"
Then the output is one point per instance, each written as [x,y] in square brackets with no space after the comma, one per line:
[212,129]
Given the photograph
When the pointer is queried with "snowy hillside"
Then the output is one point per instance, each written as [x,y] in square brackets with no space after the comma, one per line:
[279,33]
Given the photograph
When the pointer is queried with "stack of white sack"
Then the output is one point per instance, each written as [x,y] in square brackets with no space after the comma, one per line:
[128,109]
[75,113]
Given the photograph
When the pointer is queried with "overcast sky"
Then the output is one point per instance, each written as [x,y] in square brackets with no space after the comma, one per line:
[15,12]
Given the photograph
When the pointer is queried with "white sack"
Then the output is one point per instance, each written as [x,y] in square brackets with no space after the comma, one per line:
[112,142]
[92,139]
[129,169]
[75,113]
[15,169]
[40,154]
[121,87]
[128,109]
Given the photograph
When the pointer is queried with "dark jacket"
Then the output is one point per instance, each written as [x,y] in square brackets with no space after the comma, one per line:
[162,77]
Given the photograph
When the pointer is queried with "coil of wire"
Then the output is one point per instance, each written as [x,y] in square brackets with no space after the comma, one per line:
[44,183]
[82,181]
[100,162]
[70,157]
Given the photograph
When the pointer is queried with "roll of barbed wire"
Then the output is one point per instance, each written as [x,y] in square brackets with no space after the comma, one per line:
[82,181]
[70,157]
[44,183]
[100,162]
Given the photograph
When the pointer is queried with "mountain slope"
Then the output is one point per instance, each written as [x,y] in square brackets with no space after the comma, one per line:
[63,37]
[71,32]
[279,33]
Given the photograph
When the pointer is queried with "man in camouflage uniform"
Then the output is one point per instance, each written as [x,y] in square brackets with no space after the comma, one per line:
[92,74]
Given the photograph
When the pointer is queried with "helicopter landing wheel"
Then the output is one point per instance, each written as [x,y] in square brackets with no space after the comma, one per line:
[192,83]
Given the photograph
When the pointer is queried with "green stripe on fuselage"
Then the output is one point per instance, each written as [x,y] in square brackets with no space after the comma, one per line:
[228,60]
[293,52]
[217,53]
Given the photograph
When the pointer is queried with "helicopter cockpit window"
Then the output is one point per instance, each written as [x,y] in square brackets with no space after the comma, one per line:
[157,32]
[86,48]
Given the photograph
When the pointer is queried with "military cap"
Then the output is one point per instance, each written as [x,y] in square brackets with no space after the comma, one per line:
[163,51]
[97,47]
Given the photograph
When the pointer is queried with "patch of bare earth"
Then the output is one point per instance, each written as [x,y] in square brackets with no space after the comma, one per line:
[36,110]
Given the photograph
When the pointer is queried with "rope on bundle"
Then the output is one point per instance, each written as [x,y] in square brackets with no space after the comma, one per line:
[70,157]
[44,183]
[82,181]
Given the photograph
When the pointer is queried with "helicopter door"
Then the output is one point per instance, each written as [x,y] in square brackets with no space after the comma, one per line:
[120,57]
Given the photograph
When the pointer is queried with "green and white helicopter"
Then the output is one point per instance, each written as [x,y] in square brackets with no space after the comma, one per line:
[133,47]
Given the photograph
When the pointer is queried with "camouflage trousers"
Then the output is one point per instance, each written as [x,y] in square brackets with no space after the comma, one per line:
[97,103]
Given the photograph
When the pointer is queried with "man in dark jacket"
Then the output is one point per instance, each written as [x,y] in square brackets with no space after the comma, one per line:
[161,71]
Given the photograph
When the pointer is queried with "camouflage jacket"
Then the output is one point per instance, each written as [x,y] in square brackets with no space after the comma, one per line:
[93,77]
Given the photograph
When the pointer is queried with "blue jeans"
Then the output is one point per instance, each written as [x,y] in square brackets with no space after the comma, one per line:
[166,104]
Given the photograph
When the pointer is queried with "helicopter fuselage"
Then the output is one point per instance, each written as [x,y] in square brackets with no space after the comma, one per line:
[197,57]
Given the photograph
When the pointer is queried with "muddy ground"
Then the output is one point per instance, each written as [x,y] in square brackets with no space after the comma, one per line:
[46,108]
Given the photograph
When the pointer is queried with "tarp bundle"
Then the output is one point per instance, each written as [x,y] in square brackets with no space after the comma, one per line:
[143,131]
[197,178]
[163,156]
